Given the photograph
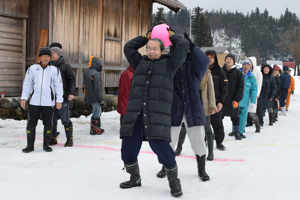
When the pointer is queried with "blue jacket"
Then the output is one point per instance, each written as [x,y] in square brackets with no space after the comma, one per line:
[250,90]
[187,97]
[285,80]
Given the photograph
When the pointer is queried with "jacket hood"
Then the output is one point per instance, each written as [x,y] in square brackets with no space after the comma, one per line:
[254,63]
[267,65]
[130,68]
[95,63]
[213,52]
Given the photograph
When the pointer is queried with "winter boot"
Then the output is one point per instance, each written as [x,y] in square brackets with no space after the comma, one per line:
[53,140]
[47,137]
[69,134]
[283,111]
[30,140]
[231,133]
[181,139]
[257,125]
[270,119]
[210,145]
[96,127]
[201,168]
[237,133]
[135,178]
[242,135]
[221,147]
[174,182]
[161,173]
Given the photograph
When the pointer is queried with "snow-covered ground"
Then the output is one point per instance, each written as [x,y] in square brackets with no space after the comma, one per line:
[263,166]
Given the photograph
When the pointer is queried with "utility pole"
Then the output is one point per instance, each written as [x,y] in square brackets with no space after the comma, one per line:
[190,11]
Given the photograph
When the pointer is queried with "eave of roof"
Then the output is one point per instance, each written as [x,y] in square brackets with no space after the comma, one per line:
[171,4]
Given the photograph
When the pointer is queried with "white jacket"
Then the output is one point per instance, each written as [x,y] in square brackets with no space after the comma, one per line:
[44,85]
[259,79]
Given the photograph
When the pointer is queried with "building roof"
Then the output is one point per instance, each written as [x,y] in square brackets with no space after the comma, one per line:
[216,49]
[289,64]
[171,4]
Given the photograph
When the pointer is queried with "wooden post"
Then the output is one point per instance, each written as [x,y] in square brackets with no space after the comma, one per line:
[24,50]
[43,41]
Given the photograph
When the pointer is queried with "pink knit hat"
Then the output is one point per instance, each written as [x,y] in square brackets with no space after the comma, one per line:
[160,31]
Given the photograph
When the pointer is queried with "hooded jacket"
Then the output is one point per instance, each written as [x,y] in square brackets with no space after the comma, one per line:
[151,90]
[235,89]
[92,81]
[285,80]
[187,96]
[67,76]
[219,79]
[268,90]
[250,90]
[124,89]
[258,77]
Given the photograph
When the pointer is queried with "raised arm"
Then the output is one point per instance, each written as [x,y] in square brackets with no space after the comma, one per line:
[131,50]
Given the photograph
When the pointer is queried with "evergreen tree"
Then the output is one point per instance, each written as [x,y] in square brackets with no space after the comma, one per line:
[159,17]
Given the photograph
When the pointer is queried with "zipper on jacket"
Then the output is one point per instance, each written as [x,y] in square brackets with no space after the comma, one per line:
[42,88]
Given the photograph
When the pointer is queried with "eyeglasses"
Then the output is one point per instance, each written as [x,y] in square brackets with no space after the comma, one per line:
[152,48]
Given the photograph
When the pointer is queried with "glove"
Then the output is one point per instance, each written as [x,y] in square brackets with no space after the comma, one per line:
[292,92]
[192,45]
[235,104]
[171,32]
[148,34]
[252,105]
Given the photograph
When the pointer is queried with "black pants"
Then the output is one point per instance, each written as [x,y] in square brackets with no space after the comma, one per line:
[217,125]
[259,110]
[34,115]
[283,95]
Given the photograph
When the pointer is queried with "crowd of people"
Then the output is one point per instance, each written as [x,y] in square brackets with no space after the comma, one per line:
[162,98]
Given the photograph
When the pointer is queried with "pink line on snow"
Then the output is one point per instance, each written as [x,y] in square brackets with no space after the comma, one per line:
[144,152]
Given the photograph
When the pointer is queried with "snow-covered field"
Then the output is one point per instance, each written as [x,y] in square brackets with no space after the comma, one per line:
[263,166]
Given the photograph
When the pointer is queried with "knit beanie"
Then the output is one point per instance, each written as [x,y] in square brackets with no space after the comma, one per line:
[285,68]
[56,50]
[231,56]
[56,44]
[45,51]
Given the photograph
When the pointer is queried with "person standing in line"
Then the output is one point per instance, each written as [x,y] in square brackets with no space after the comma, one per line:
[93,92]
[68,79]
[124,89]
[268,92]
[235,94]
[249,97]
[148,113]
[44,84]
[285,82]
[276,74]
[252,116]
[291,90]
[221,90]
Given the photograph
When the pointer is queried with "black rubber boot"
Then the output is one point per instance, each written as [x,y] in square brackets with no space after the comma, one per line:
[237,135]
[135,178]
[270,119]
[242,135]
[30,140]
[221,147]
[47,137]
[174,182]
[161,173]
[181,139]
[201,168]
[231,133]
[210,145]
[69,134]
[96,127]
[257,125]
[53,140]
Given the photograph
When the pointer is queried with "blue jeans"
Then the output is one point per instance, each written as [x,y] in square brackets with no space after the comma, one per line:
[96,110]
[64,114]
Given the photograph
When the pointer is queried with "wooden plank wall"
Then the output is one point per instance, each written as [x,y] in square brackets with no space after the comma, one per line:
[12,55]
[14,8]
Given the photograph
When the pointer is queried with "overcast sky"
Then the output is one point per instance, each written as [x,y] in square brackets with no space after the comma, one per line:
[274,7]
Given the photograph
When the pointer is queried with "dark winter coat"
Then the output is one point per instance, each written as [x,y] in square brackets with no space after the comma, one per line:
[277,94]
[92,81]
[235,89]
[268,89]
[187,98]
[219,79]
[67,76]
[124,89]
[285,80]
[151,90]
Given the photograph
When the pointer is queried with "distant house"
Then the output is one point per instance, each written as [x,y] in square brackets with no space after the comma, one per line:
[83,27]
[289,64]
[221,53]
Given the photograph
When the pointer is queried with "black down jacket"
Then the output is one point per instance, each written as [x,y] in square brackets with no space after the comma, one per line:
[268,89]
[152,88]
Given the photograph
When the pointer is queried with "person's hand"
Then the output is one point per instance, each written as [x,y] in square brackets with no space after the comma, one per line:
[148,34]
[212,111]
[70,97]
[23,104]
[219,107]
[192,45]
[252,105]
[235,104]
[58,106]
[292,92]
[171,32]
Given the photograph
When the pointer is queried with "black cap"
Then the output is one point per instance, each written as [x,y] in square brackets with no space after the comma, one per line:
[45,51]
[56,44]
[231,56]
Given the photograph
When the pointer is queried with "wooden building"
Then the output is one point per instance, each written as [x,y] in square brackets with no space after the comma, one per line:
[83,27]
